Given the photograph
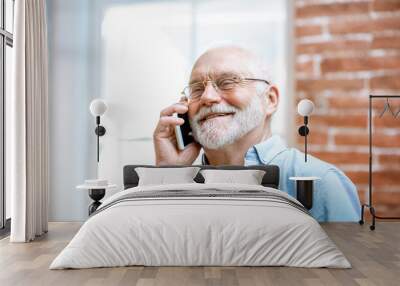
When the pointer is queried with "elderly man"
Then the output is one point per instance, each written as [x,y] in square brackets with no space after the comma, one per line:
[230,102]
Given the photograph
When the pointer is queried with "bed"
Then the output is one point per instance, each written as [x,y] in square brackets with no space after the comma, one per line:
[201,224]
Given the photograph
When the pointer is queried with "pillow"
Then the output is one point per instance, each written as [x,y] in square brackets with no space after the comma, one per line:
[162,176]
[249,177]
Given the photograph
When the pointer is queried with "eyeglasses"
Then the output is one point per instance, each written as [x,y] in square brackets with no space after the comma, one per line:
[194,91]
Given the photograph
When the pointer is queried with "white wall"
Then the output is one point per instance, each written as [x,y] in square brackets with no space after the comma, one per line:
[71,138]
[145,64]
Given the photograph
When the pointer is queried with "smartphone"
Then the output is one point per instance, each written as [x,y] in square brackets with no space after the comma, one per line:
[183,132]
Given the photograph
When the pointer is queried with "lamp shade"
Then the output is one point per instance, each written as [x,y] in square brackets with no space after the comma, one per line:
[98,107]
[305,107]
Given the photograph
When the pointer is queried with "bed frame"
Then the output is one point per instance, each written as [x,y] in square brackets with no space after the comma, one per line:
[270,179]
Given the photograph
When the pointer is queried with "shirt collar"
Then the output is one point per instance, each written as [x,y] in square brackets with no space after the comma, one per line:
[266,150]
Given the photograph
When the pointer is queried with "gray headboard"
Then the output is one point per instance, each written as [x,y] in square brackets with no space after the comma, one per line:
[270,179]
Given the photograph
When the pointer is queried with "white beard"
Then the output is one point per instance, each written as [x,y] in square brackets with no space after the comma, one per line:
[213,135]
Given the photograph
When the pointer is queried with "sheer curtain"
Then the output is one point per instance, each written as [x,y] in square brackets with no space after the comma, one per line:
[28,120]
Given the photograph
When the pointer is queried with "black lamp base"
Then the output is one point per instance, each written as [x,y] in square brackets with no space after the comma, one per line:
[304,192]
[96,195]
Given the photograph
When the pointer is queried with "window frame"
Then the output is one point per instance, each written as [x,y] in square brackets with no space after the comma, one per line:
[6,39]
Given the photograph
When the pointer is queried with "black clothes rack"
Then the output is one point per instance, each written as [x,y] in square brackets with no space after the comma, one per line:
[370,201]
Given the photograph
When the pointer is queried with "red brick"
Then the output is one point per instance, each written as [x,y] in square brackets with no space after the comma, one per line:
[387,198]
[319,48]
[365,26]
[299,120]
[348,102]
[360,64]
[385,178]
[314,137]
[333,9]
[389,141]
[378,105]
[303,31]
[392,210]
[386,82]
[305,67]
[379,179]
[358,177]
[378,140]
[389,160]
[382,209]
[339,120]
[386,42]
[319,85]
[342,101]
[386,5]
[342,157]
[387,120]
[351,139]
[367,215]
[362,194]
[343,94]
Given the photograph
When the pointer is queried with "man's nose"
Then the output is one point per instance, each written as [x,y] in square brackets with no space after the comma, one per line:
[210,95]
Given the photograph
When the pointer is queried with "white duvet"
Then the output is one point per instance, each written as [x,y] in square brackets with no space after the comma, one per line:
[200,231]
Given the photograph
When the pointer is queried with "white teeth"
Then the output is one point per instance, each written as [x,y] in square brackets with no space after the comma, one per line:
[215,115]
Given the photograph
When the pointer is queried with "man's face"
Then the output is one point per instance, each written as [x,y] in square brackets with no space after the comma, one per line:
[217,117]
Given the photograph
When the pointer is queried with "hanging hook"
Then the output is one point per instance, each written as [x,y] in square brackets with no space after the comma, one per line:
[387,107]
[397,113]
[384,108]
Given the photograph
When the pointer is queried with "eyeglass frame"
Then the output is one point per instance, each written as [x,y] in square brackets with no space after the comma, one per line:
[216,88]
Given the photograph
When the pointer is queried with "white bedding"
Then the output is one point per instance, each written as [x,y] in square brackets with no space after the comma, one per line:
[182,231]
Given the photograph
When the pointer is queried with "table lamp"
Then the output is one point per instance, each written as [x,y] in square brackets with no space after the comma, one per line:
[305,108]
[98,107]
[305,185]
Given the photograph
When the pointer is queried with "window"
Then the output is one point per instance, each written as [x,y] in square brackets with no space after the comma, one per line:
[6,44]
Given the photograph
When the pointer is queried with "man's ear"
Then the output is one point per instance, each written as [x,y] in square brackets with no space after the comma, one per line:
[272,97]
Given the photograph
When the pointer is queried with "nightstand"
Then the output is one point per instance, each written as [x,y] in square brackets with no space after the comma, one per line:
[305,190]
[96,193]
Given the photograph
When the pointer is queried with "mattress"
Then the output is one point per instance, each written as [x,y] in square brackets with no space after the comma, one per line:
[200,225]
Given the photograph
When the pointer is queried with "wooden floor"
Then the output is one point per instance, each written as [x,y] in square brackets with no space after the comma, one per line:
[375,257]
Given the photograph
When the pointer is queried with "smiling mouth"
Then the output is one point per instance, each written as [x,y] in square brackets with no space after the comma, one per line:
[214,115]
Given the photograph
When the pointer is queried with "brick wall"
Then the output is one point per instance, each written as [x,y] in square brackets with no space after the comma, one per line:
[346,50]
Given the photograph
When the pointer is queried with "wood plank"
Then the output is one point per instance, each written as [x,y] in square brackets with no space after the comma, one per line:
[375,257]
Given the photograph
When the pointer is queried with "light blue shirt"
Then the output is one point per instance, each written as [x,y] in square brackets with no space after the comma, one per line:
[335,196]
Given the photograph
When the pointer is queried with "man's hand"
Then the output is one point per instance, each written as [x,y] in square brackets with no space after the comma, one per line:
[164,140]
